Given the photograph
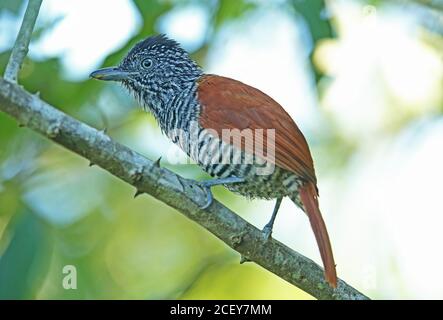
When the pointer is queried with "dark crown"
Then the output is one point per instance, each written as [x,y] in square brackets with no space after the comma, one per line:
[153,42]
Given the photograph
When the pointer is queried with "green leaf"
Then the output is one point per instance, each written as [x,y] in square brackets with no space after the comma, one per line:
[12,5]
[314,14]
[228,10]
[150,12]
[24,264]
[313,11]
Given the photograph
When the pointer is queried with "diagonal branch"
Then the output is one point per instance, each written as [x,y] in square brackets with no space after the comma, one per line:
[179,193]
[20,49]
[147,177]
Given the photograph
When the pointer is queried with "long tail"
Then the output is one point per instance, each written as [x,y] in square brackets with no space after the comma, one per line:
[309,198]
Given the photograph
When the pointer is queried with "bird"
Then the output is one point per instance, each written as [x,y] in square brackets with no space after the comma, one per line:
[197,110]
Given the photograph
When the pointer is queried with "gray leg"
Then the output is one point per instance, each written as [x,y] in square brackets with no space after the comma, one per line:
[267,230]
[215,182]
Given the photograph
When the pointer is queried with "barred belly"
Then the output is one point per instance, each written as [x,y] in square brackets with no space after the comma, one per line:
[262,179]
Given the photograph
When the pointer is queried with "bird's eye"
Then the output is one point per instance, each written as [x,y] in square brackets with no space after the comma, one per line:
[147,63]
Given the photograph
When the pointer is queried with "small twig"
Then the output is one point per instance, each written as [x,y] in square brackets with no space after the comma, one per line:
[20,49]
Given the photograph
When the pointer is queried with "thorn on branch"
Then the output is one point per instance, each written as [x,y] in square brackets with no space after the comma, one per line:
[157,162]
[137,193]
[243,259]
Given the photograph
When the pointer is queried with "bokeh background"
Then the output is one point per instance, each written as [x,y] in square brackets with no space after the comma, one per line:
[363,80]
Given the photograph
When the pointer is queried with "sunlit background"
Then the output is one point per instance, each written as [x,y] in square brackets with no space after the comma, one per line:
[362,79]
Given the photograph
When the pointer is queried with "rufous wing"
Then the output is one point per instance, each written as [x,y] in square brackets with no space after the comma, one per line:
[231,104]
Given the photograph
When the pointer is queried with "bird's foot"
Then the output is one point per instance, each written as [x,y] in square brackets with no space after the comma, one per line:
[206,185]
[267,232]
[209,197]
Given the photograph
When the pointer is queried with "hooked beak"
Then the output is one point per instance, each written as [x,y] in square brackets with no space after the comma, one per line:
[111,74]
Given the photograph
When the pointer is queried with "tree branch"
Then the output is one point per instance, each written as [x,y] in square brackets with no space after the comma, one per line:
[147,177]
[20,49]
[177,192]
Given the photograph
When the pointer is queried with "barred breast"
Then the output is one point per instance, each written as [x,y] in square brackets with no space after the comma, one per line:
[263,179]
[222,160]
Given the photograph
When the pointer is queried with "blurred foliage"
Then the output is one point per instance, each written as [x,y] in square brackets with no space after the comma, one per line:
[228,10]
[26,258]
[57,211]
[12,5]
[315,15]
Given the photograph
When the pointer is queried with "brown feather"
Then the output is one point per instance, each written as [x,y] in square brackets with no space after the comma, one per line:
[231,104]
[308,196]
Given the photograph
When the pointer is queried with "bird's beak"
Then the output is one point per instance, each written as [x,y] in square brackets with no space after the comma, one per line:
[110,74]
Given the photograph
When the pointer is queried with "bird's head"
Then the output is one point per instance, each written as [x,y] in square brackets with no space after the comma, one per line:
[153,69]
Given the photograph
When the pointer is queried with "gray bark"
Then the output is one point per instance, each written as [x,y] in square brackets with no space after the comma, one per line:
[20,49]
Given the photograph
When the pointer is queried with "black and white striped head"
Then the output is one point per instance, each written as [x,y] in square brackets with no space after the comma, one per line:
[153,69]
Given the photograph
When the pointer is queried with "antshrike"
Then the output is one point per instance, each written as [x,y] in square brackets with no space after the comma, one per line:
[276,163]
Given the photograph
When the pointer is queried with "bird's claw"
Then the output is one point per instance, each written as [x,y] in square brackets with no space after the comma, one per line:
[209,196]
[267,232]
[206,185]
